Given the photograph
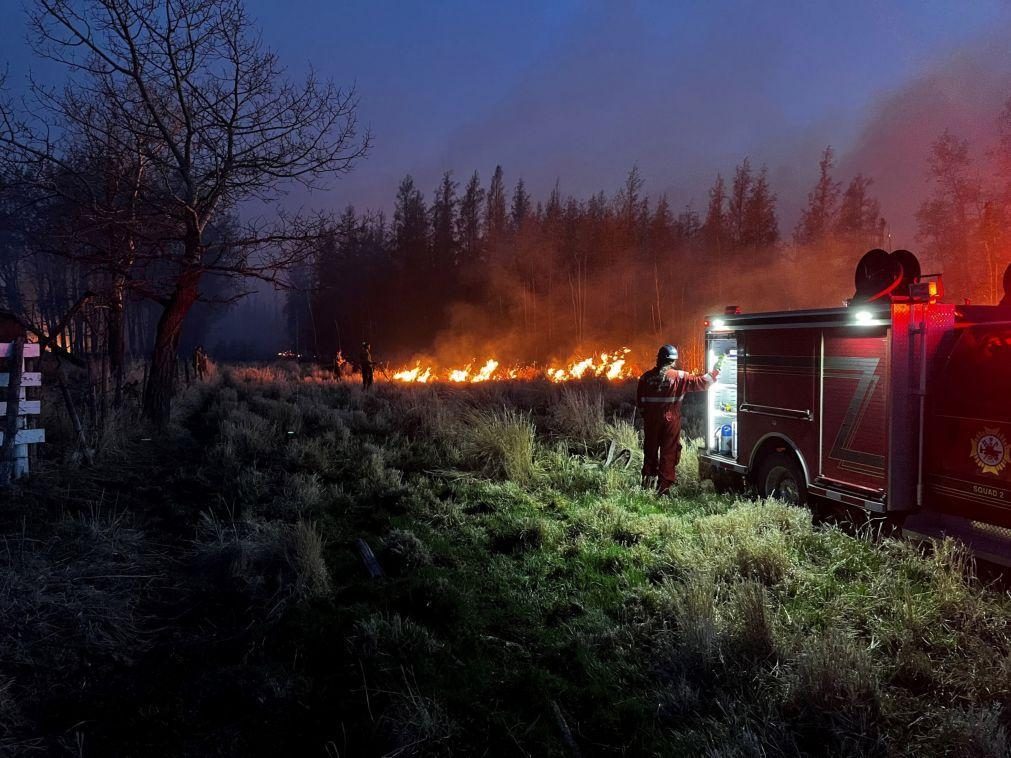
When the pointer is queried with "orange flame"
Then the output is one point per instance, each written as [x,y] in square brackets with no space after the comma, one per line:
[416,374]
[612,366]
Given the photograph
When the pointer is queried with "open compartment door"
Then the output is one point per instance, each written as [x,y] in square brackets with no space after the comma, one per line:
[721,402]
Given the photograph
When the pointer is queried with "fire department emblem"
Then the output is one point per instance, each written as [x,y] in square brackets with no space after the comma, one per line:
[990,451]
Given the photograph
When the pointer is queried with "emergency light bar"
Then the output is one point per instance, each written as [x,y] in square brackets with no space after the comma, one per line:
[719,324]
[927,291]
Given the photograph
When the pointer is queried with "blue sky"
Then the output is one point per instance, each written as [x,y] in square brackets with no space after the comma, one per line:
[580,91]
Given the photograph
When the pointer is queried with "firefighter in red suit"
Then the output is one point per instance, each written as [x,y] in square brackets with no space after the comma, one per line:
[658,397]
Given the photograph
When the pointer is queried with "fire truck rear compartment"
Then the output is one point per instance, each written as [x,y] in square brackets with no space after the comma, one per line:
[835,394]
[896,404]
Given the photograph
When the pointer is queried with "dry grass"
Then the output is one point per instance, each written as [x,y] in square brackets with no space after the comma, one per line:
[272,564]
[500,444]
[405,551]
[833,674]
[578,414]
[392,640]
[417,725]
[70,608]
[523,580]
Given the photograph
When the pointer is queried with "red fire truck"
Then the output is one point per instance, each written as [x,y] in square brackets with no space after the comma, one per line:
[896,403]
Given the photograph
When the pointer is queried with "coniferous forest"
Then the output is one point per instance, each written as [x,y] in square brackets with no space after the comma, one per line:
[481,265]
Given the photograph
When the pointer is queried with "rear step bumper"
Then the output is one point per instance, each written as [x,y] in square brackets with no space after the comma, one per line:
[831,493]
[991,543]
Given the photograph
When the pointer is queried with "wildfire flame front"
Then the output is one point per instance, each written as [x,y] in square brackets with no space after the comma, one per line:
[613,366]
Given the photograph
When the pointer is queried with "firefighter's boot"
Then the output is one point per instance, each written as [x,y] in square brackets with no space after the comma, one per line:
[663,485]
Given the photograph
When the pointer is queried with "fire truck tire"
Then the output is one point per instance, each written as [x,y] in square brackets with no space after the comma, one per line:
[780,476]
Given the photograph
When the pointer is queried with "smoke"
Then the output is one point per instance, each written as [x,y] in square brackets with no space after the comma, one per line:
[889,141]
[684,95]
[632,303]
[684,92]
[963,94]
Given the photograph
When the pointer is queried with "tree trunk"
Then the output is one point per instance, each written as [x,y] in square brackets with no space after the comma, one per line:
[161,380]
[117,338]
[116,345]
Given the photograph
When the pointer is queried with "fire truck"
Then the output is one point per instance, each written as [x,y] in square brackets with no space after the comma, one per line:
[895,403]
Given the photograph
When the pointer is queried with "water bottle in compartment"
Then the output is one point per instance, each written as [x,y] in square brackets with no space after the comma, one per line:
[726,440]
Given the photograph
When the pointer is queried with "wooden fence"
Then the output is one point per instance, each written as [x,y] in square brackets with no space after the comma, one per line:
[24,436]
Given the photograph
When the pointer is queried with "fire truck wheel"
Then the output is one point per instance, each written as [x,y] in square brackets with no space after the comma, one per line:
[781,477]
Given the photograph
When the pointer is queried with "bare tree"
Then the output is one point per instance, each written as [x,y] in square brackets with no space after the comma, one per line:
[215,122]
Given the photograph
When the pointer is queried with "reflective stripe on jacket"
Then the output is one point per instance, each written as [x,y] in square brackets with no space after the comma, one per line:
[669,386]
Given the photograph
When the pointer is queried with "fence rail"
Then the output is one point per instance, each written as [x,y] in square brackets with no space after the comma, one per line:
[31,350]
[25,407]
[27,436]
[28,379]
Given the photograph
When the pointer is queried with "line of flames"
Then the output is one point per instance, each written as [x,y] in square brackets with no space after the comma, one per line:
[613,366]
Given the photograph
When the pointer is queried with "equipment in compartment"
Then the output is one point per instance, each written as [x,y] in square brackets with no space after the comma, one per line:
[721,417]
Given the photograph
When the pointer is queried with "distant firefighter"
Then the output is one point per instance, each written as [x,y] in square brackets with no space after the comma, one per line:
[366,364]
[200,362]
[658,397]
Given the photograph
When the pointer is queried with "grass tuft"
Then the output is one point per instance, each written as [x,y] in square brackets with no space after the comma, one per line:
[500,444]
[578,414]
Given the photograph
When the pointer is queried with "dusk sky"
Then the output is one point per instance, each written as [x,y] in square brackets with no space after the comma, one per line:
[580,92]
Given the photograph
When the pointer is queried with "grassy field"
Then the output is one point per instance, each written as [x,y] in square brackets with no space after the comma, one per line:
[200,592]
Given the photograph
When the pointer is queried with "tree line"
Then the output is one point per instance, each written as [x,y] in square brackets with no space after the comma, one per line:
[478,267]
[474,267]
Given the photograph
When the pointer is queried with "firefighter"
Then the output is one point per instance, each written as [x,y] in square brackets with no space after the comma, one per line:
[366,364]
[200,362]
[338,366]
[658,397]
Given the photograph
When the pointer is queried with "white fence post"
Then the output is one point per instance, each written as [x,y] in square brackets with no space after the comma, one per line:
[24,436]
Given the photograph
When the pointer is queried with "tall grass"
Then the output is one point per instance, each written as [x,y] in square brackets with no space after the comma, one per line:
[578,414]
[532,602]
[500,444]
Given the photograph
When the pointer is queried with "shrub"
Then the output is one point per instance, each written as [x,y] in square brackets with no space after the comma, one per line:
[306,550]
[270,564]
[754,636]
[833,674]
[390,640]
[698,633]
[246,437]
[417,725]
[405,551]
[303,492]
[500,444]
[579,415]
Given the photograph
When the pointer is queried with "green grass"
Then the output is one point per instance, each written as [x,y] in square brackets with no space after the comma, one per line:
[533,601]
